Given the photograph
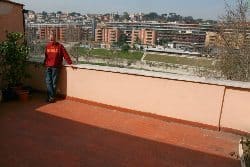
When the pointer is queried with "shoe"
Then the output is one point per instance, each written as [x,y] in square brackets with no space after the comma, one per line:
[51,100]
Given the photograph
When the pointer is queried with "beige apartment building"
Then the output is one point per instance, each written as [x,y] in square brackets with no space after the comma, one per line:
[108,36]
[148,37]
[11,18]
[211,38]
[64,32]
[214,38]
[144,37]
[136,37]
[44,32]
[111,35]
[98,34]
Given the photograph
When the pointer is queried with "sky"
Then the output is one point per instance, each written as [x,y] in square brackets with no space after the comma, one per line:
[205,9]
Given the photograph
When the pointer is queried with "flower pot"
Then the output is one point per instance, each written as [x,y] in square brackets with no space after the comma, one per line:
[8,94]
[244,151]
[23,95]
[16,87]
[1,96]
[242,159]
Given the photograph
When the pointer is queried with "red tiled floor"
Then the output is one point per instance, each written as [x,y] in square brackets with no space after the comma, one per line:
[74,134]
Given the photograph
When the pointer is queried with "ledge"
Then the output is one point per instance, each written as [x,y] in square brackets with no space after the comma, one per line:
[176,96]
[163,75]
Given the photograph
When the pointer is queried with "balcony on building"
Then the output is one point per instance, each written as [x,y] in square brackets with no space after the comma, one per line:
[111,116]
[122,107]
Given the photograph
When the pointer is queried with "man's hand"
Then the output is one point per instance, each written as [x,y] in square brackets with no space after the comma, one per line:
[73,67]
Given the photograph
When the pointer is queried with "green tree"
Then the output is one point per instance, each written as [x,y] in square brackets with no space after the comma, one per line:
[116,17]
[137,40]
[75,52]
[44,13]
[125,16]
[189,19]
[234,42]
[14,55]
[125,48]
[122,40]
[151,16]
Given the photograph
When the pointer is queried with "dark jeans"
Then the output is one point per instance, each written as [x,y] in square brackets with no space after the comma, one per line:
[51,76]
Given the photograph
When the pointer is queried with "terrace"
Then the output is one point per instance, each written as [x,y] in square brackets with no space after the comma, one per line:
[112,116]
[124,117]
[70,133]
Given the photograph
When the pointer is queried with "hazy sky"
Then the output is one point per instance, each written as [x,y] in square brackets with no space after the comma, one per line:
[206,9]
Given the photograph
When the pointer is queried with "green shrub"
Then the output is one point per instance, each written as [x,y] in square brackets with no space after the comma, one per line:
[14,55]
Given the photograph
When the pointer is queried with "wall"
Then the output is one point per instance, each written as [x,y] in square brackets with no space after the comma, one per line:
[205,104]
[236,110]
[11,18]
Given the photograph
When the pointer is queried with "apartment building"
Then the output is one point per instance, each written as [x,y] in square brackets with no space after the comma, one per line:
[31,15]
[136,37]
[111,35]
[236,36]
[107,36]
[143,37]
[99,34]
[182,35]
[148,37]
[128,34]
[45,29]
[11,18]
[64,32]
[211,38]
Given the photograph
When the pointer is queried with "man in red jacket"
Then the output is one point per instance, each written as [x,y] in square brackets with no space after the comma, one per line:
[54,54]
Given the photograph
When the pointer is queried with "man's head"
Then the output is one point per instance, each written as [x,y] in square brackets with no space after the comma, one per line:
[52,36]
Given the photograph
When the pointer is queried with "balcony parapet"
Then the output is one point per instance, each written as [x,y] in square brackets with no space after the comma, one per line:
[214,104]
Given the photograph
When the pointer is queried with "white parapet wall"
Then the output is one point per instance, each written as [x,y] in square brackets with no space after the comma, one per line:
[208,102]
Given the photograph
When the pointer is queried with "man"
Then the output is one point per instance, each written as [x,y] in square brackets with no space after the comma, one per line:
[54,54]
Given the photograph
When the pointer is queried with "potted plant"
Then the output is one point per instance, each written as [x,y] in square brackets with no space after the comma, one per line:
[14,55]
[245,152]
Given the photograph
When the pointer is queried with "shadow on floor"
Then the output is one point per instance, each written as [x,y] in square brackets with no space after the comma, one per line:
[30,138]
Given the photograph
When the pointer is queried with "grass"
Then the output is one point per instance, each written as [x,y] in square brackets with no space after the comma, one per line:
[110,54]
[102,64]
[82,51]
[199,62]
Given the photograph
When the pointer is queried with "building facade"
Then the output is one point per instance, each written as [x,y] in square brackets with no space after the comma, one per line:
[64,32]
[108,36]
[155,33]
[11,18]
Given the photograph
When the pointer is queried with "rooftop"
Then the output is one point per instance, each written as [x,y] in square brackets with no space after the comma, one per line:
[15,3]
[71,133]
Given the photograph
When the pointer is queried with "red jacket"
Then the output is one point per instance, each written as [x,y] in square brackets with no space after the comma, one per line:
[54,54]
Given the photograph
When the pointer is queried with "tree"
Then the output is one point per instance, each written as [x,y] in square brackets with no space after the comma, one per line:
[174,17]
[14,55]
[189,20]
[116,17]
[125,48]
[125,16]
[122,40]
[138,40]
[234,42]
[151,16]
[44,13]
[75,52]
